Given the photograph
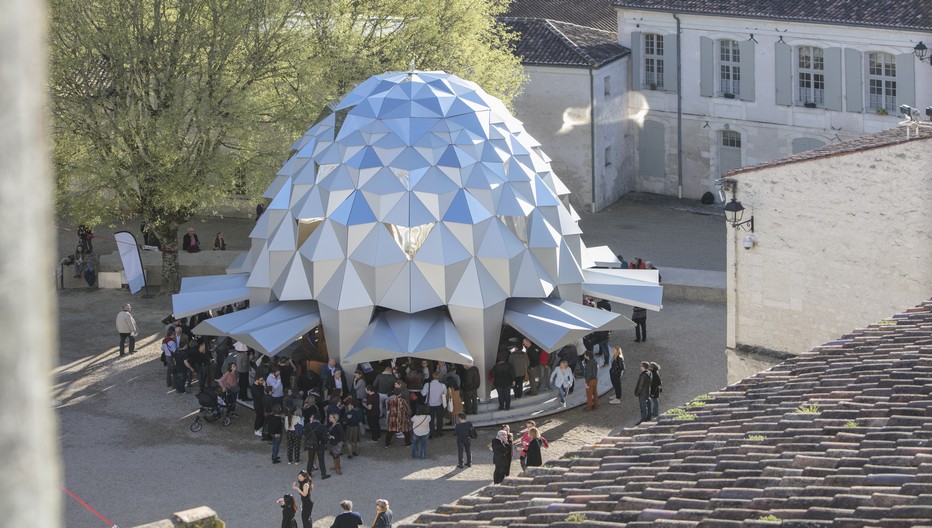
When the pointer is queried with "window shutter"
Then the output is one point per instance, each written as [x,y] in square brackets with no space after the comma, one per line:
[905,80]
[746,48]
[706,67]
[854,91]
[783,78]
[637,61]
[833,79]
[669,63]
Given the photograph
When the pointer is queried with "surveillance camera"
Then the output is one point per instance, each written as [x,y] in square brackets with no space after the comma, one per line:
[909,111]
[929,112]
[748,242]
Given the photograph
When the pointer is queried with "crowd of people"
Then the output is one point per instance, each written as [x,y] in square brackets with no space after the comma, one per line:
[320,417]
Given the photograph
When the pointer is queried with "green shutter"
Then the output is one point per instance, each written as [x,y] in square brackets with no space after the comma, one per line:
[854,89]
[833,79]
[637,61]
[905,80]
[706,67]
[783,73]
[746,48]
[669,63]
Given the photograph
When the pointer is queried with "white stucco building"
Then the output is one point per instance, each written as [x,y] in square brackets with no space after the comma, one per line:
[756,80]
[573,103]
[842,237]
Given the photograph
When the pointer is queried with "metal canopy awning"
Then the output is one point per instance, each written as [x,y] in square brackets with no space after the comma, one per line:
[199,294]
[429,334]
[268,328]
[632,287]
[553,323]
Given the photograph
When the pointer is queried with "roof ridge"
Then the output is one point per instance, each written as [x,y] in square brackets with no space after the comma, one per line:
[589,58]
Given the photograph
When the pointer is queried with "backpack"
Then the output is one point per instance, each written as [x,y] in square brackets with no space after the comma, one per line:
[473,433]
[299,429]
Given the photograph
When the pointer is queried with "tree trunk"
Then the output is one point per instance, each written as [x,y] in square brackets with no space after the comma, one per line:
[168,235]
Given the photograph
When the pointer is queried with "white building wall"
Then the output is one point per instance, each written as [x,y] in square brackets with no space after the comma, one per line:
[768,129]
[555,108]
[841,242]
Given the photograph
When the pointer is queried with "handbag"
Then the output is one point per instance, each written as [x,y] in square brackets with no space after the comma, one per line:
[473,433]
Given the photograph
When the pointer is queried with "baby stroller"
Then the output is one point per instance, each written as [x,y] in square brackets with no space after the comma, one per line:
[213,408]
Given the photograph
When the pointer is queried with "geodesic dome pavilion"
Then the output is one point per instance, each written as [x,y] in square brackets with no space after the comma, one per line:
[416,219]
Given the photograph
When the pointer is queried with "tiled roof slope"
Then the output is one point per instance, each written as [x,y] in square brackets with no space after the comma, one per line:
[553,43]
[899,14]
[597,14]
[863,458]
[886,138]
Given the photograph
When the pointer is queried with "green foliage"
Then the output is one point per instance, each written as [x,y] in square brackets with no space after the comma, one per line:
[769,518]
[808,409]
[679,413]
[850,424]
[757,437]
[576,517]
[696,403]
[166,107]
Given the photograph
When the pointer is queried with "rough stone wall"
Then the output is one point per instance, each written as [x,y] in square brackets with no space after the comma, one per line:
[841,241]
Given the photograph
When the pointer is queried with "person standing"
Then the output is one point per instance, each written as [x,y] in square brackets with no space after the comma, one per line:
[656,387]
[642,392]
[501,456]
[420,427]
[294,431]
[519,361]
[399,416]
[373,407]
[592,382]
[615,372]
[542,370]
[470,387]
[383,515]
[126,327]
[274,382]
[639,316]
[562,380]
[533,451]
[315,442]
[243,362]
[503,378]
[190,242]
[347,519]
[337,437]
[169,348]
[463,431]
[289,509]
[434,393]
[275,431]
[304,486]
[258,404]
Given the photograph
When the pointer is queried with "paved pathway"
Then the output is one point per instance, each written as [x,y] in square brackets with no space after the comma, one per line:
[128,452]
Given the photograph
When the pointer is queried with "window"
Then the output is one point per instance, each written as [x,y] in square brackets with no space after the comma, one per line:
[810,74]
[607,86]
[730,138]
[729,70]
[608,156]
[881,82]
[653,61]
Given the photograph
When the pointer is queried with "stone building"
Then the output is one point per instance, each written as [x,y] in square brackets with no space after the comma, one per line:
[757,80]
[842,235]
[574,100]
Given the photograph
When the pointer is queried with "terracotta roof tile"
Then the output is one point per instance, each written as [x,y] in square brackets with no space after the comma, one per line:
[597,14]
[899,14]
[545,42]
[863,457]
[885,138]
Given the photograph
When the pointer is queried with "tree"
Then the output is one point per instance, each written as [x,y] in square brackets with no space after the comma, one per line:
[162,108]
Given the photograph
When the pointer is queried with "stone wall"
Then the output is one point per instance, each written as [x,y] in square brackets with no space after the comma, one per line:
[841,241]
[200,517]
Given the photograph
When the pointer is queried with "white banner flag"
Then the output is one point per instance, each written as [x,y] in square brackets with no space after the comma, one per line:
[132,260]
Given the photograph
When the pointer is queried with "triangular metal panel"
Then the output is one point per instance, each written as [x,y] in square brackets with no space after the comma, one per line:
[295,283]
[465,209]
[284,238]
[618,286]
[423,295]
[185,304]
[225,324]
[398,294]
[570,272]
[540,233]
[259,276]
[529,278]
[353,211]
